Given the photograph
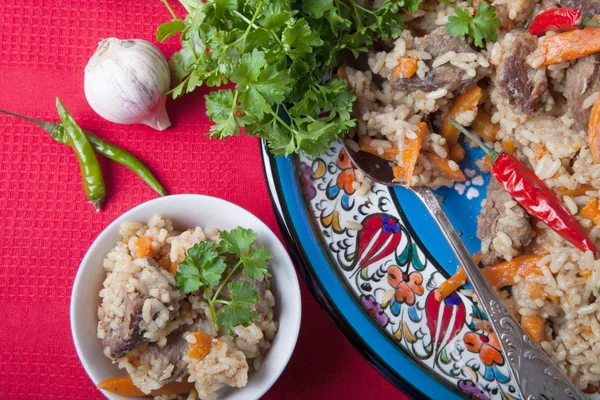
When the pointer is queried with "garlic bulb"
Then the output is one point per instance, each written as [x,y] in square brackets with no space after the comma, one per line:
[125,82]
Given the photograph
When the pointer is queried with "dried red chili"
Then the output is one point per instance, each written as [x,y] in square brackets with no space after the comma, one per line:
[533,194]
[560,19]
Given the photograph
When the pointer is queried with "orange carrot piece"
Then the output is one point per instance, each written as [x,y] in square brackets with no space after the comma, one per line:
[451,285]
[591,211]
[411,151]
[467,101]
[499,275]
[585,273]
[509,146]
[341,73]
[165,262]
[503,274]
[487,162]
[143,247]
[201,348]
[484,127]
[123,386]
[567,46]
[534,326]
[407,67]
[369,146]
[443,166]
[539,151]
[594,131]
[578,191]
[457,153]
[398,172]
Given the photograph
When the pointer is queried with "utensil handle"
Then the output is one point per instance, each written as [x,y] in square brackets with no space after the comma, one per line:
[535,373]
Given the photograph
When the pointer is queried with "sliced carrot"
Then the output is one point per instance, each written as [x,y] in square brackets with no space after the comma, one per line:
[539,151]
[370,146]
[123,386]
[578,191]
[509,145]
[143,247]
[537,292]
[534,326]
[586,329]
[443,165]
[407,67]
[567,46]
[585,273]
[451,285]
[398,172]
[483,126]
[591,211]
[503,274]
[165,262]
[487,164]
[499,275]
[411,151]
[201,348]
[457,153]
[467,101]
[341,73]
[174,266]
[594,131]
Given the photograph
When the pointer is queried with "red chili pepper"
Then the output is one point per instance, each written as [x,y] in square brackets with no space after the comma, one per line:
[560,19]
[533,194]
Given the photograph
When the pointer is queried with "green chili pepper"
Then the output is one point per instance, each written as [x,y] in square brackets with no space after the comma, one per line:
[103,147]
[93,181]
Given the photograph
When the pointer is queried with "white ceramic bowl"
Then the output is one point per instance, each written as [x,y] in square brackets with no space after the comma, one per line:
[188,211]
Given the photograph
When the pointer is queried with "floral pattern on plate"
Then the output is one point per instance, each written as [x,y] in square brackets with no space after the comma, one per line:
[392,279]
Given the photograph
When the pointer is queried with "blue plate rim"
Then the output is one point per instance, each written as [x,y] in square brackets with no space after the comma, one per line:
[281,191]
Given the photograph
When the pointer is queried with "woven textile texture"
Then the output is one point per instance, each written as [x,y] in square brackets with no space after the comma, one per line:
[48,224]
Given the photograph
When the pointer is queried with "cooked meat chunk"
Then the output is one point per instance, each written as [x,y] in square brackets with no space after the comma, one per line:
[447,76]
[128,335]
[495,217]
[583,80]
[171,354]
[586,6]
[521,85]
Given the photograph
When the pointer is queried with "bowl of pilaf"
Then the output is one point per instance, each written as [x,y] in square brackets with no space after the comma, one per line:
[182,297]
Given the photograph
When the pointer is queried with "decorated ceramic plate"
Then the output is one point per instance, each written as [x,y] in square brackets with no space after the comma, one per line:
[373,262]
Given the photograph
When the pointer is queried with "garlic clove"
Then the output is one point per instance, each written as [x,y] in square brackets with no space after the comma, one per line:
[125,82]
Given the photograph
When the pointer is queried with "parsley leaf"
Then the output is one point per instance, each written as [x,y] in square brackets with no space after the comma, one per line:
[242,292]
[188,278]
[169,29]
[202,267]
[256,263]
[239,310]
[481,26]
[221,110]
[237,241]
[317,8]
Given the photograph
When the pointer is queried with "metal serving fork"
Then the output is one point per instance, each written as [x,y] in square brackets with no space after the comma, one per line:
[536,374]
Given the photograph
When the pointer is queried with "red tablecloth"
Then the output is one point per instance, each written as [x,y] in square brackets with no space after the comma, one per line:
[48,224]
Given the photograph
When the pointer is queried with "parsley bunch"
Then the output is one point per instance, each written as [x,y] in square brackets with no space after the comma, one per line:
[278,54]
[481,26]
[205,264]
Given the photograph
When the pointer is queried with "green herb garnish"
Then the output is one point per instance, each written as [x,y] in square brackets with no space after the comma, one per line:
[205,264]
[481,26]
[279,54]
